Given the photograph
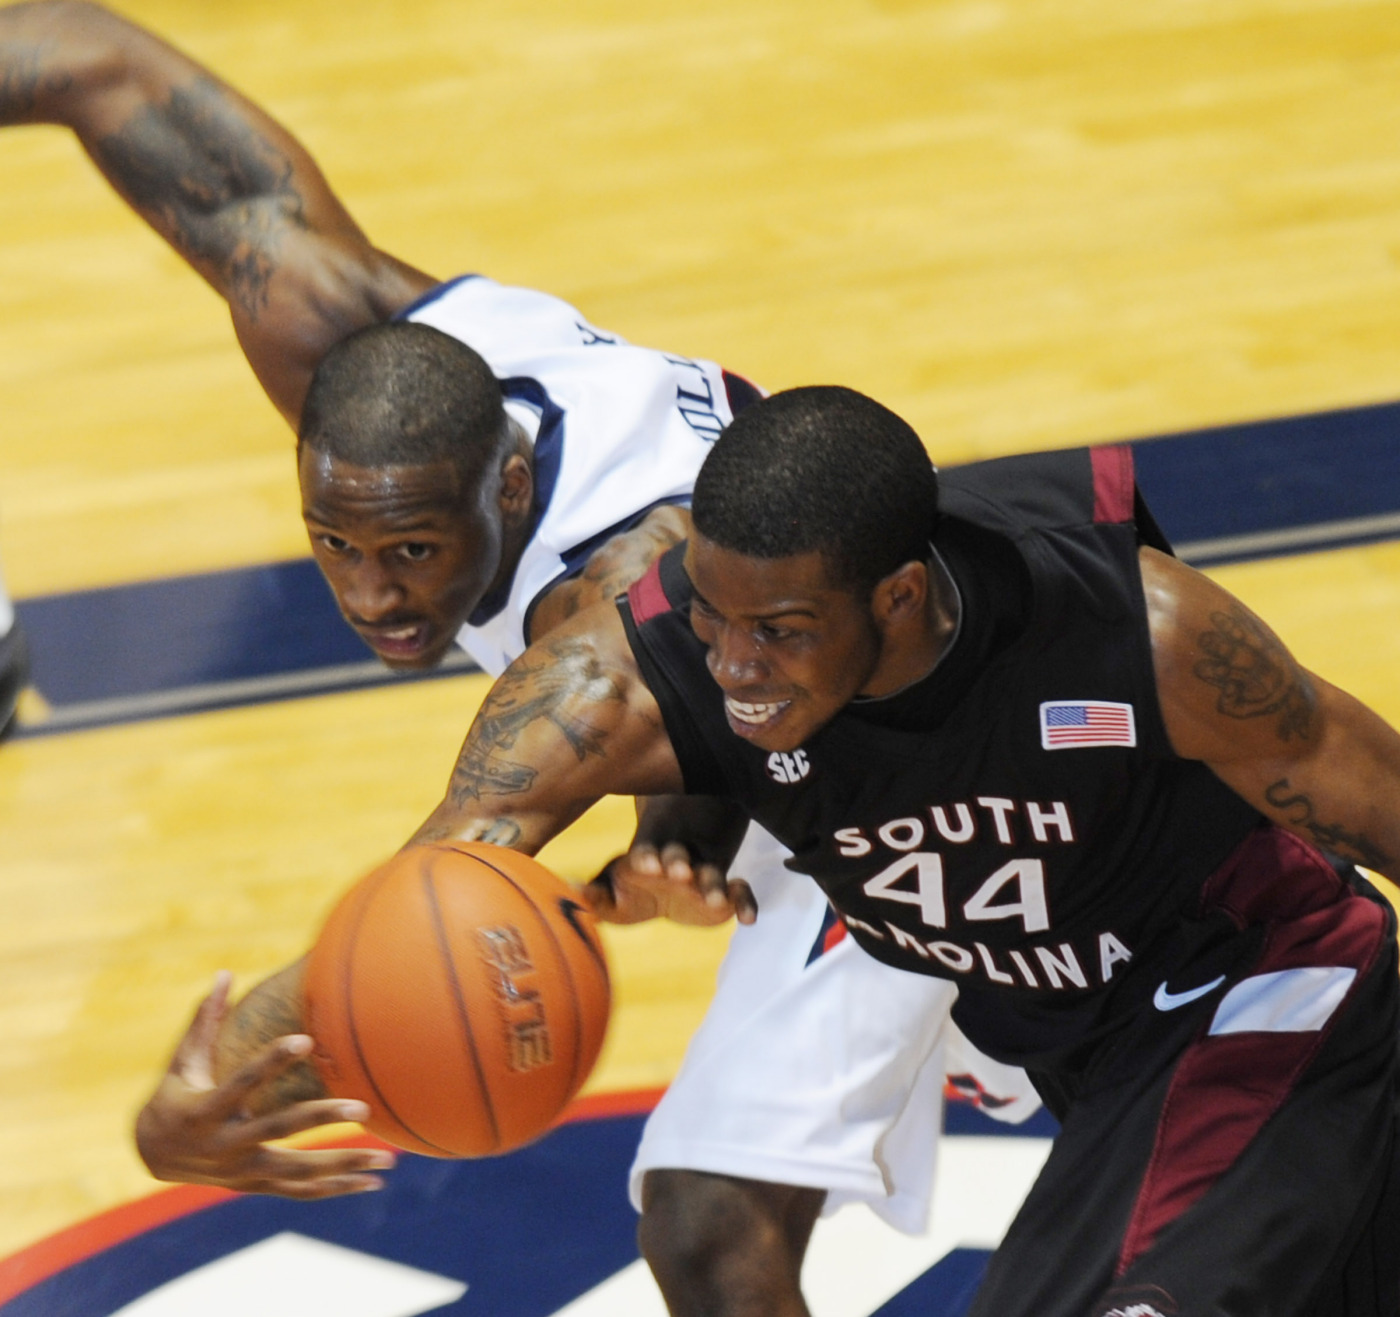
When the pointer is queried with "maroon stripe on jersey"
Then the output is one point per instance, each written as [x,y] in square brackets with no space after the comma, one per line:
[1225,1087]
[646,595]
[1113,483]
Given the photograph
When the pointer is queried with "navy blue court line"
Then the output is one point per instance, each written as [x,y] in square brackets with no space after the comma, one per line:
[256,634]
[205,641]
[1278,486]
[528,1232]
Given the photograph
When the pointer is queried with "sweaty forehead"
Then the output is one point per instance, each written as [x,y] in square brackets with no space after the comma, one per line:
[737,583]
[332,488]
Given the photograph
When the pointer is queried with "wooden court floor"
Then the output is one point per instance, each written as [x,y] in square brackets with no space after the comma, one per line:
[1021,223]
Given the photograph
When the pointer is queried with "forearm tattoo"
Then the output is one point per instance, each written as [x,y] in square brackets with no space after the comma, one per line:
[265,1014]
[24,80]
[1298,808]
[495,832]
[218,190]
[1254,674]
[527,694]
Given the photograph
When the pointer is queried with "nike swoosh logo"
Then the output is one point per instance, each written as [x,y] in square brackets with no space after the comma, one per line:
[1169,1001]
[571,910]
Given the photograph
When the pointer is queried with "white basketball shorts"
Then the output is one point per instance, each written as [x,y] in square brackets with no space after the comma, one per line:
[819,1068]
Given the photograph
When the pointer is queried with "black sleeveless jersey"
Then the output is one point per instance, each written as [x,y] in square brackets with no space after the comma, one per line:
[1033,839]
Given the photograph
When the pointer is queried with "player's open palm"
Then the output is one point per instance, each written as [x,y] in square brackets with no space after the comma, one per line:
[198,1131]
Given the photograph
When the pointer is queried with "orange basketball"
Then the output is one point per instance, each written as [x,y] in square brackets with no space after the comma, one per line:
[461,991]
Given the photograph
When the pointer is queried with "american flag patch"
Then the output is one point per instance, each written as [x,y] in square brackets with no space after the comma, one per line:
[1065,724]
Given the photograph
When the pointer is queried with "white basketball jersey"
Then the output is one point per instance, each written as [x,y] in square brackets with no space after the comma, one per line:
[617,430]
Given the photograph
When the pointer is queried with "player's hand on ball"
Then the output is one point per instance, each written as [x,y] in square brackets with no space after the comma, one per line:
[197,1131]
[677,866]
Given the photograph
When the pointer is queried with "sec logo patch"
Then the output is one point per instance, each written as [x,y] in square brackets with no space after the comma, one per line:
[788,768]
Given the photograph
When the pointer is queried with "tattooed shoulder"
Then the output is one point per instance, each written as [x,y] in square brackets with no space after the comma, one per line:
[1255,675]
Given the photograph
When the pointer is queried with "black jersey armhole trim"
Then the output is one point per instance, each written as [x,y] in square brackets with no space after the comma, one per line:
[700,769]
[675,581]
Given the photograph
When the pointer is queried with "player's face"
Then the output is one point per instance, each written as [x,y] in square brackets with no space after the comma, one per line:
[788,648]
[407,552]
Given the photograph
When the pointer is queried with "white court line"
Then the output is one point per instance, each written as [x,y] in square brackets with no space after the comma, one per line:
[290,1275]
[856,1263]
[1291,539]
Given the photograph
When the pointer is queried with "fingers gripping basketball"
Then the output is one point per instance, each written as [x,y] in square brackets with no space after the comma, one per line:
[461,991]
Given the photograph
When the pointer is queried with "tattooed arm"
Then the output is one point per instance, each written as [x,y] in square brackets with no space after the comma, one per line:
[1306,754]
[228,188]
[611,568]
[238,1080]
[569,722]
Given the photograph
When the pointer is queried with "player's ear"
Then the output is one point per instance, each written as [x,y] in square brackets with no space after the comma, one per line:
[899,598]
[517,489]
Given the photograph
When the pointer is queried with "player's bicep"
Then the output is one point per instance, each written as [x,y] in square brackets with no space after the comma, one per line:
[567,723]
[1228,688]
[1301,751]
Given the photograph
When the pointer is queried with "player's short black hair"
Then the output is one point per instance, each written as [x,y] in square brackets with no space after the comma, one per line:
[404,394]
[820,468]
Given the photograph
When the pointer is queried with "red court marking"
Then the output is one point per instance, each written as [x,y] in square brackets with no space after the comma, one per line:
[23,1270]
[1113,483]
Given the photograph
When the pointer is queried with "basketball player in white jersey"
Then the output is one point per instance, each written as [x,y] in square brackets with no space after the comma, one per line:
[576,481]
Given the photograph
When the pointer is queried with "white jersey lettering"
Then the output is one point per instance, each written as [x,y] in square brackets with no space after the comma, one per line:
[1111,953]
[965,830]
[1001,809]
[903,834]
[852,843]
[1043,818]
[1064,963]
[1029,877]
[927,870]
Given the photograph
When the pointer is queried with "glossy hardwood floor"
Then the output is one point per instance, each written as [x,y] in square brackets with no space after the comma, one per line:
[1021,225]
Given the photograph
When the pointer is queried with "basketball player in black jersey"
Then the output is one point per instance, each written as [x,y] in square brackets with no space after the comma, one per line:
[1021,747]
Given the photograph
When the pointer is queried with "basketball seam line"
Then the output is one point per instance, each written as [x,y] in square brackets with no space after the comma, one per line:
[459,1000]
[354,1030]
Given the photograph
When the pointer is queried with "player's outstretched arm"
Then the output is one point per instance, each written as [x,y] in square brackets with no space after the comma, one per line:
[1306,754]
[570,721]
[238,1080]
[227,187]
